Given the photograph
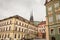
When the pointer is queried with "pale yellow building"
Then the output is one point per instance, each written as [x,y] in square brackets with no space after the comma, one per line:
[16,28]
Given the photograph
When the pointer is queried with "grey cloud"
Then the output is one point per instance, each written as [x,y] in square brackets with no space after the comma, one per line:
[20,7]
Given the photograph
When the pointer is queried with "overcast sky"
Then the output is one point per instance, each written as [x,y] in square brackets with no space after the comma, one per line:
[23,8]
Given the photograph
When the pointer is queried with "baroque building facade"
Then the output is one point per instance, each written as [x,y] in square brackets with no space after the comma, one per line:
[42,29]
[52,19]
[16,28]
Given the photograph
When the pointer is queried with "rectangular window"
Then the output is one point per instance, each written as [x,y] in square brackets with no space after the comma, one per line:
[52,31]
[9,28]
[19,29]
[15,36]
[19,23]
[7,23]
[6,28]
[56,5]
[0,36]
[22,25]
[5,35]
[58,17]
[50,9]
[19,36]
[16,23]
[22,30]
[10,22]
[51,19]
[59,30]
[15,29]
[8,35]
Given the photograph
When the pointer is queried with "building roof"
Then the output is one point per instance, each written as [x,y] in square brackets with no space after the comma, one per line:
[20,18]
[41,23]
[36,23]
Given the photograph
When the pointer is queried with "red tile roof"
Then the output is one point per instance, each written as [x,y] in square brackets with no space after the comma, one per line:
[41,23]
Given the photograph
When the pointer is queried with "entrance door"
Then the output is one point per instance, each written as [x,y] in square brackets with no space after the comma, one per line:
[53,38]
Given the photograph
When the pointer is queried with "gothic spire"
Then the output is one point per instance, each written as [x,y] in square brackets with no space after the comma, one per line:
[31,17]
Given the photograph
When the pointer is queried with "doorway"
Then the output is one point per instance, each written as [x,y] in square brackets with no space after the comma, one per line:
[53,38]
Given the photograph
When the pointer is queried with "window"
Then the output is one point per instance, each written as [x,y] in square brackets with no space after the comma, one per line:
[19,29]
[9,22]
[15,28]
[50,8]
[59,30]
[0,36]
[8,35]
[51,19]
[58,17]
[19,24]
[22,30]
[0,30]
[5,35]
[56,5]
[19,36]
[16,23]
[6,28]
[52,31]
[9,28]
[22,24]
[25,30]
[15,36]
[25,25]
[2,24]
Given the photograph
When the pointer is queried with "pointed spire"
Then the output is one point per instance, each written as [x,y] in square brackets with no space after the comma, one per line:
[31,17]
